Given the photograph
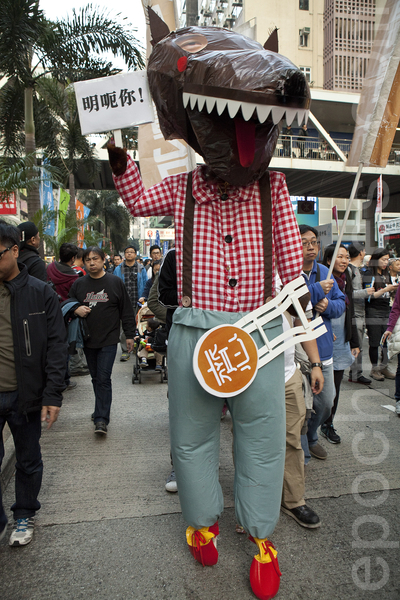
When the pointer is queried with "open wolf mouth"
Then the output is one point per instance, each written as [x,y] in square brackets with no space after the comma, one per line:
[245,115]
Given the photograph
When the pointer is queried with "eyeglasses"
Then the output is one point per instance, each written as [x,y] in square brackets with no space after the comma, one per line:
[313,243]
[3,251]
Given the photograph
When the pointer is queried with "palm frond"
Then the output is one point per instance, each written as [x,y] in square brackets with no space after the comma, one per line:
[23,174]
[93,30]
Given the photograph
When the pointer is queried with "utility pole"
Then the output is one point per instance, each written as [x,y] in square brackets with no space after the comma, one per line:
[192,11]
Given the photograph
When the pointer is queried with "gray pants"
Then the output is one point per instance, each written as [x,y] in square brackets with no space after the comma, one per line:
[356,367]
[259,428]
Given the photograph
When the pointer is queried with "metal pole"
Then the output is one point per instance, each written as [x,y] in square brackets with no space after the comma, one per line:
[346,216]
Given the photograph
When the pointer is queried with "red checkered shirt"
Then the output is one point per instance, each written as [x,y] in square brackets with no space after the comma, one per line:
[215,261]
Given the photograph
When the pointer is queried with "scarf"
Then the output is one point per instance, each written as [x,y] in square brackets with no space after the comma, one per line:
[341,281]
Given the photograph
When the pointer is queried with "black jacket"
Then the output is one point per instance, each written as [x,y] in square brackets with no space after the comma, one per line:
[350,320]
[167,286]
[29,256]
[40,347]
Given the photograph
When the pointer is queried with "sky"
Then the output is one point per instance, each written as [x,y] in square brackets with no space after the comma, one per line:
[132,9]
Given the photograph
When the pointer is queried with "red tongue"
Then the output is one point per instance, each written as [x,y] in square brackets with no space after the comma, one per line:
[245,139]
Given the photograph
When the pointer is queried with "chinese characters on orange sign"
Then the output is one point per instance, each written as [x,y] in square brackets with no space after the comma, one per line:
[226,360]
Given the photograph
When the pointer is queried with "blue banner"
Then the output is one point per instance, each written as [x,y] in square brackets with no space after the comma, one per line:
[157,238]
[165,248]
[47,199]
[86,213]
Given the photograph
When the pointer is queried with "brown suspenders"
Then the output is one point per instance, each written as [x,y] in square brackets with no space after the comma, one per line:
[187,250]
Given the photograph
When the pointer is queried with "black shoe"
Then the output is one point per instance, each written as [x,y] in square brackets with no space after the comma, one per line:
[71,386]
[79,372]
[329,432]
[304,516]
[100,428]
[363,380]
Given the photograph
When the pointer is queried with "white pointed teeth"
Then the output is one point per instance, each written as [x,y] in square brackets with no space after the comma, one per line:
[201,102]
[210,103]
[277,114]
[221,105]
[233,107]
[290,115]
[263,112]
[248,109]
[302,115]
[193,101]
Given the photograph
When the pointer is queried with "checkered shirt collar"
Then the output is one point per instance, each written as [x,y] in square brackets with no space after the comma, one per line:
[207,191]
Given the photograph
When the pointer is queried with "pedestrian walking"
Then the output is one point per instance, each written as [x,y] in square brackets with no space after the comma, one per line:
[33,356]
[104,302]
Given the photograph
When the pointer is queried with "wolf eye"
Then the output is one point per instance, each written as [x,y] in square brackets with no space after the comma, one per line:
[192,42]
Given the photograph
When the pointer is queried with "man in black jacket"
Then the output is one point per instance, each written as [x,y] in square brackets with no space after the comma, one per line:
[28,250]
[33,354]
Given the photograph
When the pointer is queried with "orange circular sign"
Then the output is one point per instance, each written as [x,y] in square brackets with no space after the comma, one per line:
[225,361]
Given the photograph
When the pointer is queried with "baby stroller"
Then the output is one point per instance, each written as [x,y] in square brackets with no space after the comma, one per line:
[142,318]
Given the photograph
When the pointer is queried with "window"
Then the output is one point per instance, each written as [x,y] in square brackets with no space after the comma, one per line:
[307,73]
[303,4]
[303,36]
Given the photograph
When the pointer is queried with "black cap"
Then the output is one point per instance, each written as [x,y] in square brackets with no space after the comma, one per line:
[28,230]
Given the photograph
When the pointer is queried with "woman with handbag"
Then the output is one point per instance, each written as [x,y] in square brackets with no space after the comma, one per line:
[377,310]
[391,337]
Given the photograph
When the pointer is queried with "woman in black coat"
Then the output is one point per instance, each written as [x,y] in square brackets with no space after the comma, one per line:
[377,310]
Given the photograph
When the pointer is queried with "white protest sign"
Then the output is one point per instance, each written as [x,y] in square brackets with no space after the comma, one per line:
[114,102]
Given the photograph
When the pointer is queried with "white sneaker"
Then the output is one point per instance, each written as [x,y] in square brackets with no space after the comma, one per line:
[398,407]
[171,485]
[22,532]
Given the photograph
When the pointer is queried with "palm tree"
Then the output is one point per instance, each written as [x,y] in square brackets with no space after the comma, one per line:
[65,145]
[69,233]
[113,218]
[19,174]
[32,47]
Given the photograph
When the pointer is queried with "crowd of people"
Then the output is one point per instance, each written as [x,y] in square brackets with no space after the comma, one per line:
[56,322]
[98,298]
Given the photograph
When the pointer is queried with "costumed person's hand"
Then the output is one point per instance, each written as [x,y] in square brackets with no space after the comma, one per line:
[322,305]
[355,352]
[327,285]
[129,345]
[317,380]
[49,415]
[386,337]
[118,159]
[82,311]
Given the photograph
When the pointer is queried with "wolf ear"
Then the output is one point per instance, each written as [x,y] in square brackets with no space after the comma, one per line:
[158,28]
[272,42]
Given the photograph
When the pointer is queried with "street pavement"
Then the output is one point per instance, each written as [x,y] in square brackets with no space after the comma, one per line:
[108,530]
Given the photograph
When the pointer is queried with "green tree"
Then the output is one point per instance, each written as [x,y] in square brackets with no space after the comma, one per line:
[69,233]
[65,145]
[33,47]
[113,218]
[19,174]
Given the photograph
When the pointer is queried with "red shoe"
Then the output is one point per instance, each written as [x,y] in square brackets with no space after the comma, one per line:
[264,571]
[203,544]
